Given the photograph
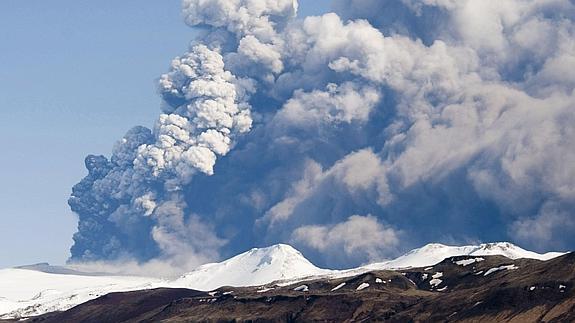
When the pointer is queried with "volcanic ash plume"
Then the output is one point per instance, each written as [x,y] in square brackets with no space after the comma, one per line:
[354,135]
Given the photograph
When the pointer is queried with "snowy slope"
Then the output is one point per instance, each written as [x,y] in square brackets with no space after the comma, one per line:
[27,292]
[434,253]
[252,268]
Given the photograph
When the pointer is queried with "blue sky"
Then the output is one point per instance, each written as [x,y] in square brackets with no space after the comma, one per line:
[74,76]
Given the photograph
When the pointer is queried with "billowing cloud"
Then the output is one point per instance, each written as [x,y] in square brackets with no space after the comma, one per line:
[336,104]
[241,17]
[205,109]
[444,121]
[358,175]
[359,237]
[551,222]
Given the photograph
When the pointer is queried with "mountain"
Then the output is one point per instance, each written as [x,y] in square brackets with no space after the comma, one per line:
[284,263]
[252,268]
[38,289]
[458,289]
[433,253]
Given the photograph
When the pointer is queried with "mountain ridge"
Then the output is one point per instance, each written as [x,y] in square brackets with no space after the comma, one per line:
[458,289]
[280,263]
[433,253]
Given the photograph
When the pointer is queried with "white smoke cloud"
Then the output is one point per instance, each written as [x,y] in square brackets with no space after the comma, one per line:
[242,17]
[215,109]
[345,103]
[252,50]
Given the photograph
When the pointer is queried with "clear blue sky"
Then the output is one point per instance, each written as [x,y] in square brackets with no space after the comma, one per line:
[74,76]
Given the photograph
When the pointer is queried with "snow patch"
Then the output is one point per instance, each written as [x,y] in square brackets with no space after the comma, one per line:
[337,287]
[436,281]
[362,286]
[496,269]
[302,288]
[467,262]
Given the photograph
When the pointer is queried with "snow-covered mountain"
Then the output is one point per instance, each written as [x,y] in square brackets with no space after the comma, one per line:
[252,268]
[434,253]
[38,289]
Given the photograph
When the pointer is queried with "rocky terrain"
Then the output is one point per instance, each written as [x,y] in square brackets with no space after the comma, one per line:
[458,289]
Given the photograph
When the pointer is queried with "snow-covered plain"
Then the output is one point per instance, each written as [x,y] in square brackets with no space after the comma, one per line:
[28,292]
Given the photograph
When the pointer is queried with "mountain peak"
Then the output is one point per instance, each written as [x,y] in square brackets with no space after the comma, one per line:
[257,266]
[277,249]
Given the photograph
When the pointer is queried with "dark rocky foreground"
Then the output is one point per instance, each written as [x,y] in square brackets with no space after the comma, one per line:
[533,292]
